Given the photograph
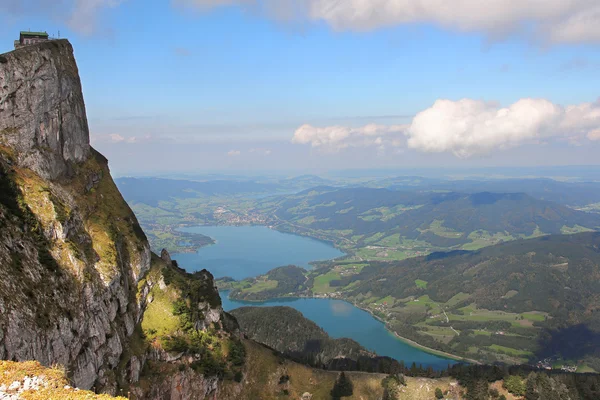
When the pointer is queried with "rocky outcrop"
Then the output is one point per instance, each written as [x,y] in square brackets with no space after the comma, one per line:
[166,257]
[181,385]
[71,250]
[42,113]
[79,286]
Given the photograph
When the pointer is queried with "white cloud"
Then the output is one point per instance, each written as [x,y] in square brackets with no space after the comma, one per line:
[261,151]
[117,138]
[594,135]
[79,15]
[340,137]
[234,153]
[467,127]
[84,13]
[555,21]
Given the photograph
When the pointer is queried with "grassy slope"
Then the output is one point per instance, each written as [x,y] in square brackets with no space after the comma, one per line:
[55,378]
[264,370]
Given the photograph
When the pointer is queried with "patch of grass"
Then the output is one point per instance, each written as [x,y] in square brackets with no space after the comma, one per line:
[383,254]
[388,300]
[582,369]
[510,351]
[565,230]
[158,317]
[321,283]
[54,377]
[457,299]
[536,233]
[261,286]
[481,238]
[392,240]
[421,284]
[535,316]
[437,228]
[472,313]
[306,220]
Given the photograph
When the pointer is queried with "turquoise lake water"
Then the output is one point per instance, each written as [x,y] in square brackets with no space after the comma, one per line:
[246,251]
[341,319]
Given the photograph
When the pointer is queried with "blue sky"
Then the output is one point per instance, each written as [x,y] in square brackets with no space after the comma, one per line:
[207,87]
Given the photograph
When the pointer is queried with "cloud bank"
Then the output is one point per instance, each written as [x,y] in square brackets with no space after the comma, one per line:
[553,21]
[334,138]
[467,127]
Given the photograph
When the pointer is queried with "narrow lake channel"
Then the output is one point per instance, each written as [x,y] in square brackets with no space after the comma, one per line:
[246,251]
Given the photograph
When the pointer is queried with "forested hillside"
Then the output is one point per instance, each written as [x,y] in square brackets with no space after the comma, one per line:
[520,301]
[381,224]
[288,331]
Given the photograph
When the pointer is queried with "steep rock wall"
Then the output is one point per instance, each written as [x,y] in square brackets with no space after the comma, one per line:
[79,285]
[71,250]
[42,113]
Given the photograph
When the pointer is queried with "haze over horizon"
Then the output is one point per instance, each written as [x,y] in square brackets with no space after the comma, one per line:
[317,85]
[302,199]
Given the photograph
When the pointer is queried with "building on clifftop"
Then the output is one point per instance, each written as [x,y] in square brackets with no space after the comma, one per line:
[26,38]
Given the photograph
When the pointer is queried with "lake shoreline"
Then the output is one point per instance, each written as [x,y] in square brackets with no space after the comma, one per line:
[346,254]
[420,346]
[247,238]
[407,341]
[248,251]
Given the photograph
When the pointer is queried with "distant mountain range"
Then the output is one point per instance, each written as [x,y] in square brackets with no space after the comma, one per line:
[406,217]
[441,219]
[151,191]
[567,193]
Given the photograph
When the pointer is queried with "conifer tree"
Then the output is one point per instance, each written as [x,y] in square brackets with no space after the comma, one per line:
[342,387]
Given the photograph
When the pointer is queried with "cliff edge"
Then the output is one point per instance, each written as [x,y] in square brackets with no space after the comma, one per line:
[42,112]
[71,250]
[79,286]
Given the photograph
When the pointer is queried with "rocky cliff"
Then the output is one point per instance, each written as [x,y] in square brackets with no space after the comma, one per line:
[71,250]
[42,113]
[79,286]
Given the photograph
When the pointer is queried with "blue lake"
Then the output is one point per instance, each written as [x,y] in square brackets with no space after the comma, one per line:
[341,319]
[244,251]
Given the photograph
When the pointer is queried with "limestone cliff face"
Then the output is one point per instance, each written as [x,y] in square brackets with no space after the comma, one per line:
[42,113]
[79,285]
[71,250]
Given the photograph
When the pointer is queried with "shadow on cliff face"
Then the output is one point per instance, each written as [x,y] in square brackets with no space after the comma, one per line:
[8,193]
[11,199]
[571,343]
